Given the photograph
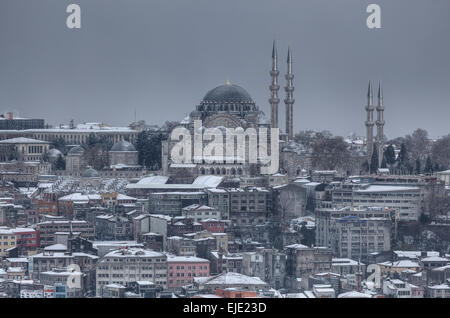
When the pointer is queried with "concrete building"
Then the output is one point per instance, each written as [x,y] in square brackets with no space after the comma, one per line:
[47,230]
[406,200]
[183,269]
[397,288]
[267,264]
[303,261]
[9,121]
[354,232]
[173,203]
[199,213]
[128,265]
[24,149]
[73,280]
[229,280]
[181,246]
[7,241]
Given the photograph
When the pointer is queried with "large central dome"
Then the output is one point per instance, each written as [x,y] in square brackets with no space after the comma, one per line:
[228,93]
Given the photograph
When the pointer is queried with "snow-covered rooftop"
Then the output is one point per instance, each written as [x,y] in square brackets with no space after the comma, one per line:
[232,278]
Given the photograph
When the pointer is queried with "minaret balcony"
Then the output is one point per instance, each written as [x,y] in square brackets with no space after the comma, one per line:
[274,100]
[274,87]
[289,76]
[274,72]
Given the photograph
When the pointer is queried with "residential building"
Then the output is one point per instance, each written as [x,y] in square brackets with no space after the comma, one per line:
[129,265]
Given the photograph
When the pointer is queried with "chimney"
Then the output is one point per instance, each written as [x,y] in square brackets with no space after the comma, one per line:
[358,281]
[9,115]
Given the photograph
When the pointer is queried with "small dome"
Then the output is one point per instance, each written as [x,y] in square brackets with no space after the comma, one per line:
[90,173]
[123,146]
[54,153]
[78,150]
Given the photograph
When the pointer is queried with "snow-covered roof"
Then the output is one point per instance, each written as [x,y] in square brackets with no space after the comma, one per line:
[434,259]
[297,246]
[62,255]
[414,254]
[232,278]
[17,260]
[15,270]
[114,286]
[441,286]
[354,294]
[64,273]
[387,188]
[208,181]
[185,259]
[153,180]
[56,247]
[295,295]
[403,263]
[80,197]
[194,207]
[134,252]
[183,165]
[23,140]
[200,183]
[121,196]
[344,262]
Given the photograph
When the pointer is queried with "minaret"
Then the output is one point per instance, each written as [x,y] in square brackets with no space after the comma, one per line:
[369,123]
[289,101]
[274,87]
[380,124]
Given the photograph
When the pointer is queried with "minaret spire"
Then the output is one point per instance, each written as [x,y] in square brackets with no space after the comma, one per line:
[369,123]
[380,124]
[289,101]
[274,87]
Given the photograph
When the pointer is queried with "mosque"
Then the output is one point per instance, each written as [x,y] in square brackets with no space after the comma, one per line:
[231,106]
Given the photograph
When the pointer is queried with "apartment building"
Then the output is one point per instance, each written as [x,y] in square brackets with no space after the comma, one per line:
[354,232]
[127,265]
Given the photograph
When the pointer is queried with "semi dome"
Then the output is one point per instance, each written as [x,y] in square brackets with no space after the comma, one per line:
[78,150]
[123,146]
[54,153]
[90,173]
[228,93]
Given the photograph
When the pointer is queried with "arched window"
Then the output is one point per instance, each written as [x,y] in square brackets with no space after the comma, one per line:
[224,171]
[211,171]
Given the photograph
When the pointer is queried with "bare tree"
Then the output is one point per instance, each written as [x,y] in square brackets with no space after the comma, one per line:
[330,153]
[441,152]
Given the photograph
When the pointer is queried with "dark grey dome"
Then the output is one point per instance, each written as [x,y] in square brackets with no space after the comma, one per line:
[123,146]
[78,150]
[228,93]
[90,173]
[54,153]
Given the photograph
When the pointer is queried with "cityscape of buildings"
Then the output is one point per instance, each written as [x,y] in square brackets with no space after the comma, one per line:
[89,210]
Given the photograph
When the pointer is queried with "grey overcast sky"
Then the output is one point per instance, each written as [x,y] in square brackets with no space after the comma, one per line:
[160,57]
